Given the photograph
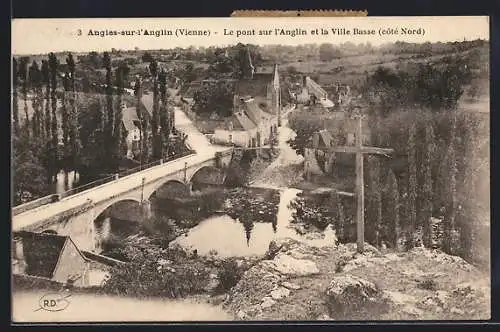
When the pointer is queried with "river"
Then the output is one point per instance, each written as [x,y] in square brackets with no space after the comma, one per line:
[104,308]
[229,237]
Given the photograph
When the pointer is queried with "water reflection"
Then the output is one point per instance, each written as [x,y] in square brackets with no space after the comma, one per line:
[65,181]
[237,223]
[232,238]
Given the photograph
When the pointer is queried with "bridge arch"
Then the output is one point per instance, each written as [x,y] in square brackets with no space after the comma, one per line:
[106,206]
[110,229]
[169,188]
[207,175]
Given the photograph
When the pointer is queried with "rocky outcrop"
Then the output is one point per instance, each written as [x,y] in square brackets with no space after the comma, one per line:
[299,281]
[351,297]
[267,283]
[289,266]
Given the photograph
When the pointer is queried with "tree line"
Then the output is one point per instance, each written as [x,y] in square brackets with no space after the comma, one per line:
[427,193]
[65,129]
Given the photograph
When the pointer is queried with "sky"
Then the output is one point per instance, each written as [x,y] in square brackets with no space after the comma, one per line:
[40,36]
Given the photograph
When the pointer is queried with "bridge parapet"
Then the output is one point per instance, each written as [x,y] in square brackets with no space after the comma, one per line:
[129,186]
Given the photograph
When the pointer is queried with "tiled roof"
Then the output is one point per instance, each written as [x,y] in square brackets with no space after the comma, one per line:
[269,70]
[129,118]
[264,105]
[253,111]
[42,252]
[244,121]
[251,87]
[188,90]
[322,139]
[147,101]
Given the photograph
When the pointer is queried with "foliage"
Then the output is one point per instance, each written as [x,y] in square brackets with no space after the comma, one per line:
[252,205]
[30,177]
[374,202]
[152,271]
[416,114]
[147,57]
[318,211]
[234,61]
[328,52]
[236,175]
[391,206]
[229,274]
[433,86]
[217,98]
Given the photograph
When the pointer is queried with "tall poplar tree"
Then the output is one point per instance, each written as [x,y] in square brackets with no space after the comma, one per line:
[143,145]
[451,206]
[110,125]
[164,112]
[47,117]
[35,78]
[23,70]
[53,64]
[73,114]
[15,102]
[392,204]
[412,186]
[374,206]
[65,122]
[427,199]
[153,68]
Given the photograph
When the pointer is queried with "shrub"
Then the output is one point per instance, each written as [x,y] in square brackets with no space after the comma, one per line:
[229,275]
[150,272]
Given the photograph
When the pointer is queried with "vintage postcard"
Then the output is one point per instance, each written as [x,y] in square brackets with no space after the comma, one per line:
[250,168]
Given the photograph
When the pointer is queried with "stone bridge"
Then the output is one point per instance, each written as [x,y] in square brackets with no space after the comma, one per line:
[75,215]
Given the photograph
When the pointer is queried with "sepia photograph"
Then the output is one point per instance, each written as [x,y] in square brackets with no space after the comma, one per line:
[250,169]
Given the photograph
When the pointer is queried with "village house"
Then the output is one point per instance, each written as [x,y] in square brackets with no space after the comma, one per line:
[51,257]
[320,96]
[256,110]
[131,125]
[342,94]
[187,93]
[318,160]
[256,107]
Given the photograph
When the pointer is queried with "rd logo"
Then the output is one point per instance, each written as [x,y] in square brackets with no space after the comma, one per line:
[53,302]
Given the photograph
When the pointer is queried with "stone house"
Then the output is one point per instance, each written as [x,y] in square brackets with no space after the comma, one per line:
[318,160]
[187,93]
[249,126]
[342,94]
[316,93]
[147,101]
[256,110]
[131,125]
[49,256]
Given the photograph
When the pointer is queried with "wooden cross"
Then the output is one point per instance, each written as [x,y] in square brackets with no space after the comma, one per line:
[360,150]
